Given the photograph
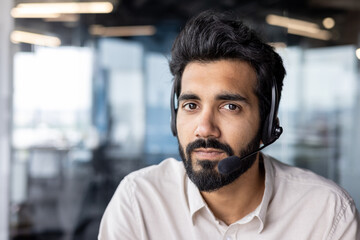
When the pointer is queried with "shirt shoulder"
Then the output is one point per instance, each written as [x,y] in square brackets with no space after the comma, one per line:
[300,196]
[168,178]
[145,201]
[306,180]
[168,170]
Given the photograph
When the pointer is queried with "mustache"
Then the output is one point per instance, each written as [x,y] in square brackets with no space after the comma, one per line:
[209,143]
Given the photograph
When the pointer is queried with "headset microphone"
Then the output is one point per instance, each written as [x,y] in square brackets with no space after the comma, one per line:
[233,163]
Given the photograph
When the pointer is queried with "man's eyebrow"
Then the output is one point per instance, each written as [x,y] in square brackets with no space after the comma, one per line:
[188,96]
[231,97]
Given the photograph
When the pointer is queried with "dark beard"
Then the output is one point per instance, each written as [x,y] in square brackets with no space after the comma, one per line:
[208,179]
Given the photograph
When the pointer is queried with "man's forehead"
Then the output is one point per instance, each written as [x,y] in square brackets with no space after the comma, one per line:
[233,71]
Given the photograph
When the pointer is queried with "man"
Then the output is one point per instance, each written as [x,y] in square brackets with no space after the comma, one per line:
[227,86]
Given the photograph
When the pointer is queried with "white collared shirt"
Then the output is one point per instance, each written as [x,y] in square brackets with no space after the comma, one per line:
[160,202]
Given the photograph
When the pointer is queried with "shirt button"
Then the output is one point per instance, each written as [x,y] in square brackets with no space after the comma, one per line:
[228,238]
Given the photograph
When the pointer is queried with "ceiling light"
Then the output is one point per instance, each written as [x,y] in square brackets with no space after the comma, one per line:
[123,31]
[357,52]
[320,34]
[278,45]
[24,10]
[16,14]
[64,18]
[328,22]
[289,22]
[34,38]
[299,27]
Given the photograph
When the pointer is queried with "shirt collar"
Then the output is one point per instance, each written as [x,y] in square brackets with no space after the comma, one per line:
[196,202]
[268,193]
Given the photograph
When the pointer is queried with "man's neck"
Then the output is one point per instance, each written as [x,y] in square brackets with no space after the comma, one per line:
[236,200]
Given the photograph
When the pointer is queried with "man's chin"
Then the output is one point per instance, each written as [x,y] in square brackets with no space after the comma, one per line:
[207,164]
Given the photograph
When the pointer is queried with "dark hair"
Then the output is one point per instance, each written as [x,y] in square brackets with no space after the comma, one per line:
[212,36]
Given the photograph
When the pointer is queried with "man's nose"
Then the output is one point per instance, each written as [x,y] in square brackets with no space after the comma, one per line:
[207,126]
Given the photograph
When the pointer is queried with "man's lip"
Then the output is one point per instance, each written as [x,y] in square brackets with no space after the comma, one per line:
[208,153]
[208,150]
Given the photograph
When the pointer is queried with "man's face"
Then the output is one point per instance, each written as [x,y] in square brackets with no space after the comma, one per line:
[218,116]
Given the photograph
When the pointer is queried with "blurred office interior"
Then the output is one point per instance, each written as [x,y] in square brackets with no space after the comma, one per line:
[85,92]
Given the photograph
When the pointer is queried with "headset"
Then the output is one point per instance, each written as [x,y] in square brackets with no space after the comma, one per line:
[173,110]
[271,128]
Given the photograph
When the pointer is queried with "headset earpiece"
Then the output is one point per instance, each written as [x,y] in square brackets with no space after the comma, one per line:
[173,111]
[272,129]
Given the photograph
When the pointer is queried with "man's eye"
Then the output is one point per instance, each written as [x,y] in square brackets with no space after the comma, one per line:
[231,107]
[190,106]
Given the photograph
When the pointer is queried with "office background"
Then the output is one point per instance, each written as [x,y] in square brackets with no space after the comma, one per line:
[85,92]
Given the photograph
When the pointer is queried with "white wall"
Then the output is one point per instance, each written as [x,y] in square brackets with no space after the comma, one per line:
[6,24]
